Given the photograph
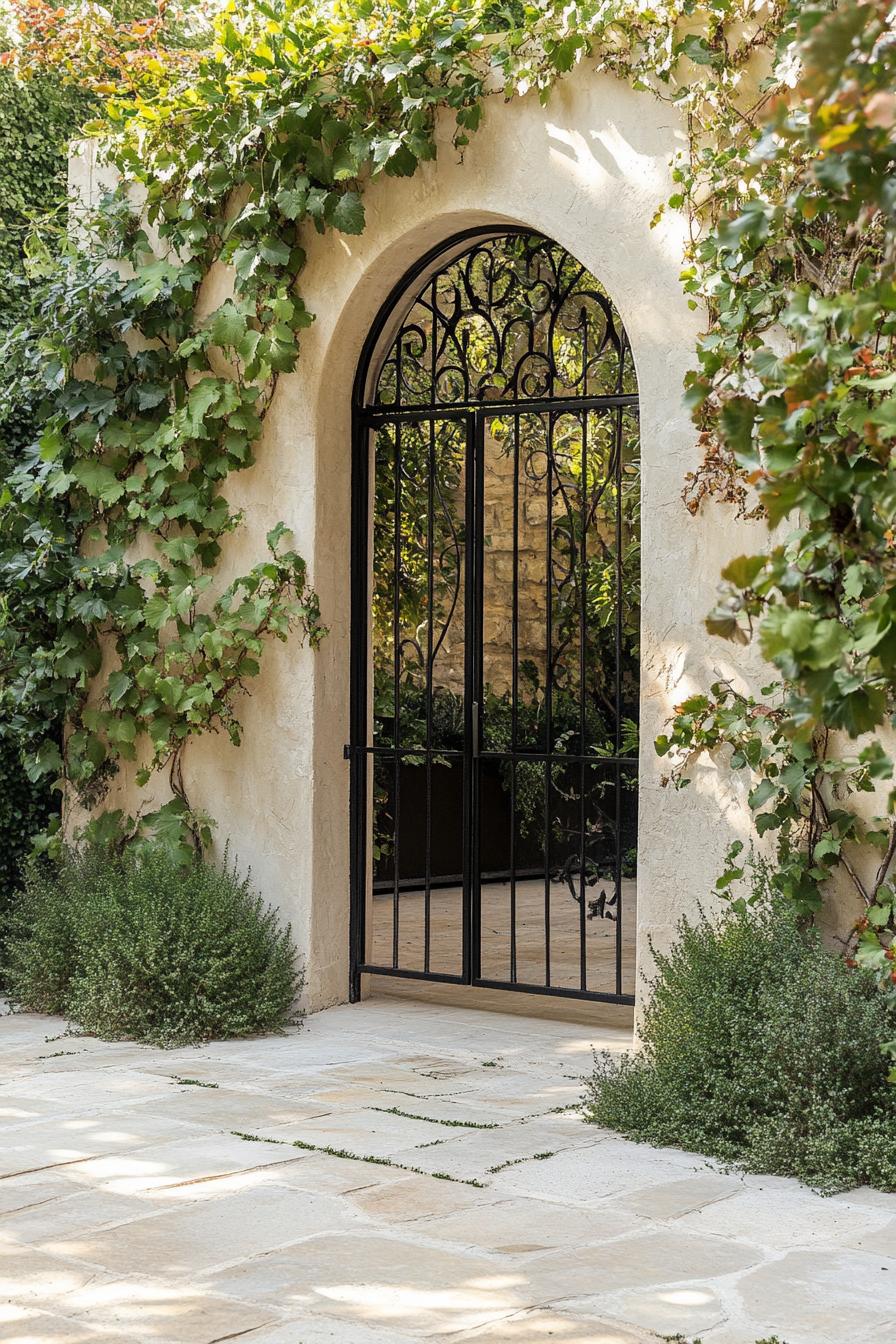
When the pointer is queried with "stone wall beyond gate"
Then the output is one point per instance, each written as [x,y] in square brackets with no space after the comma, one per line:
[498,570]
[588,170]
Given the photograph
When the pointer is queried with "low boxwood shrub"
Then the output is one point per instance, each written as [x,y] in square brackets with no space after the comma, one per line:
[138,945]
[762,1048]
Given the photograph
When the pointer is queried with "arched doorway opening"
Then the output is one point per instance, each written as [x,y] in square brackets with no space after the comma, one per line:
[495,626]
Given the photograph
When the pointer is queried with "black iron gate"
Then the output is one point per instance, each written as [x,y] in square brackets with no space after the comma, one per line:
[495,628]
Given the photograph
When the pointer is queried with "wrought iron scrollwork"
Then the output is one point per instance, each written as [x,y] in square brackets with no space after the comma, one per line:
[514,319]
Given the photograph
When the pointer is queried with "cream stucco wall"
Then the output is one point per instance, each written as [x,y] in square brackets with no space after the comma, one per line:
[589,170]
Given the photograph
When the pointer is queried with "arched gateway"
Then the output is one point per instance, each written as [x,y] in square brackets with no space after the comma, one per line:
[590,169]
[495,627]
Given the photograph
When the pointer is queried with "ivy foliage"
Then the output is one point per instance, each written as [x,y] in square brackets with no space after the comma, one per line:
[37,117]
[796,396]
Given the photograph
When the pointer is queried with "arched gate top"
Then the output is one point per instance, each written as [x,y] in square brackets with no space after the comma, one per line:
[492,316]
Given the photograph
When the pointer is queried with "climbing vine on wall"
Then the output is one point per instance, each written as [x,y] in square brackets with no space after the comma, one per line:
[148,408]
[154,393]
[795,397]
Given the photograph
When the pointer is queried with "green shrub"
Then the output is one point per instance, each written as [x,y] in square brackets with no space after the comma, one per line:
[760,1048]
[137,945]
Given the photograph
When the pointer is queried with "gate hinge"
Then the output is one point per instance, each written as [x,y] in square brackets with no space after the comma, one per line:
[347,752]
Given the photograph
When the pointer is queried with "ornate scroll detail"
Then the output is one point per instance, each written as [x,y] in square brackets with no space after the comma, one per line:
[514,319]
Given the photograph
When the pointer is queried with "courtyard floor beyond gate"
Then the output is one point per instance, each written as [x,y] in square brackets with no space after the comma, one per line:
[134,1206]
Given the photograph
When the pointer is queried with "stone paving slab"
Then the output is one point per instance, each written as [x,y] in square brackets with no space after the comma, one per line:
[171,1243]
[420,1199]
[25,1326]
[244,1110]
[530,1327]
[73,1215]
[800,1220]
[383,1279]
[665,1201]
[363,1130]
[807,1290]
[138,1206]
[156,1310]
[507,1227]
[190,1161]
[321,1331]
[687,1310]
[620,1168]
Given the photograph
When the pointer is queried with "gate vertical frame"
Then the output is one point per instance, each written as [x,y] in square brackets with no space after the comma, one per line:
[358,655]
[365,419]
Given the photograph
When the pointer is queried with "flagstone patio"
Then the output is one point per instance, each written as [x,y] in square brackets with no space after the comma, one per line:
[158,1195]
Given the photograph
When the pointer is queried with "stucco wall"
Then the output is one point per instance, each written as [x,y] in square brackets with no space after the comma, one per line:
[589,171]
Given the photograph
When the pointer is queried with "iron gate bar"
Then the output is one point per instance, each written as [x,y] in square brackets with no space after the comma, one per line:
[473,414]
[475,904]
[360,584]
[514,686]
[523,754]
[555,991]
[470,767]
[488,877]
[403,973]
[408,751]
[374,416]
[430,546]
[441,977]
[549,693]
[396,691]
[583,595]
[618,632]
